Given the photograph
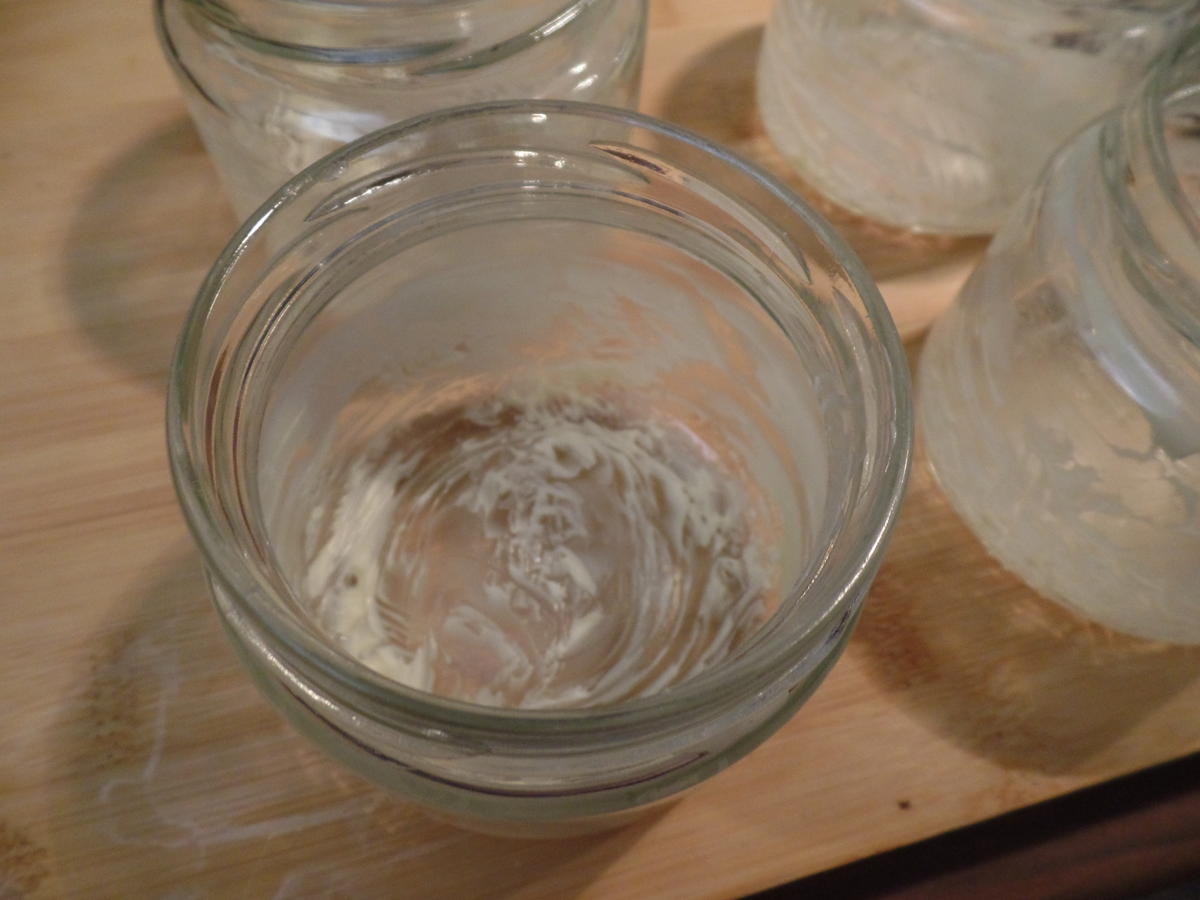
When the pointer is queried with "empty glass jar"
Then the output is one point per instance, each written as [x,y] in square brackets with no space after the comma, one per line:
[541,455]
[936,114]
[1060,395]
[273,85]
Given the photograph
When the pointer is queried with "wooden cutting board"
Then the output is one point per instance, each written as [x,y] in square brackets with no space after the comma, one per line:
[136,760]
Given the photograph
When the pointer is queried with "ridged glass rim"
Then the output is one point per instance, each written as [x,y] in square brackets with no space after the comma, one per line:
[770,659]
[384,33]
[1157,89]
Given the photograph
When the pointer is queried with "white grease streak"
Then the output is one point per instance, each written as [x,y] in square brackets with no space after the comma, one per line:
[536,551]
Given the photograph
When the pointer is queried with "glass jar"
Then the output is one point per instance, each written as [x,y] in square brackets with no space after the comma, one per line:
[273,85]
[1060,395]
[541,455]
[935,115]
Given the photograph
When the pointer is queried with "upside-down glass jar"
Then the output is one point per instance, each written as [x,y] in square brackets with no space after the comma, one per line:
[935,115]
[1060,395]
[541,455]
[273,85]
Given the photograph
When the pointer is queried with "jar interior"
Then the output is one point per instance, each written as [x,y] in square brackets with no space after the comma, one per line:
[545,451]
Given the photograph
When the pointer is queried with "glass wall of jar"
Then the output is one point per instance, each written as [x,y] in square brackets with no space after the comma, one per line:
[935,115]
[1060,396]
[273,85]
[541,455]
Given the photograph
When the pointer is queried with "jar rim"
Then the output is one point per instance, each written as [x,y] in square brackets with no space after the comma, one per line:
[874,511]
[1157,90]
[433,36]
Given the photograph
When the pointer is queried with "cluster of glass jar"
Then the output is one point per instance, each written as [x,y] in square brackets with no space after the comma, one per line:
[434,226]
[1059,397]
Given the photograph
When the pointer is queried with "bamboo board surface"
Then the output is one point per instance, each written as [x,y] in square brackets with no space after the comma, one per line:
[136,760]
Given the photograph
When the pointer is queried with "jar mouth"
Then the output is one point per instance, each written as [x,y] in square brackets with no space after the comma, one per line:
[249,583]
[1159,214]
[1176,71]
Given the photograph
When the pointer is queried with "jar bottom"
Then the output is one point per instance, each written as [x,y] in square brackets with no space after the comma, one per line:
[1040,485]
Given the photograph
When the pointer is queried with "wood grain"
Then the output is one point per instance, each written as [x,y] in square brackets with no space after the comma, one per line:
[137,760]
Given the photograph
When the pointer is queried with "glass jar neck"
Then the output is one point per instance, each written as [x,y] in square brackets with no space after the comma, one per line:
[374,31]
[1156,193]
